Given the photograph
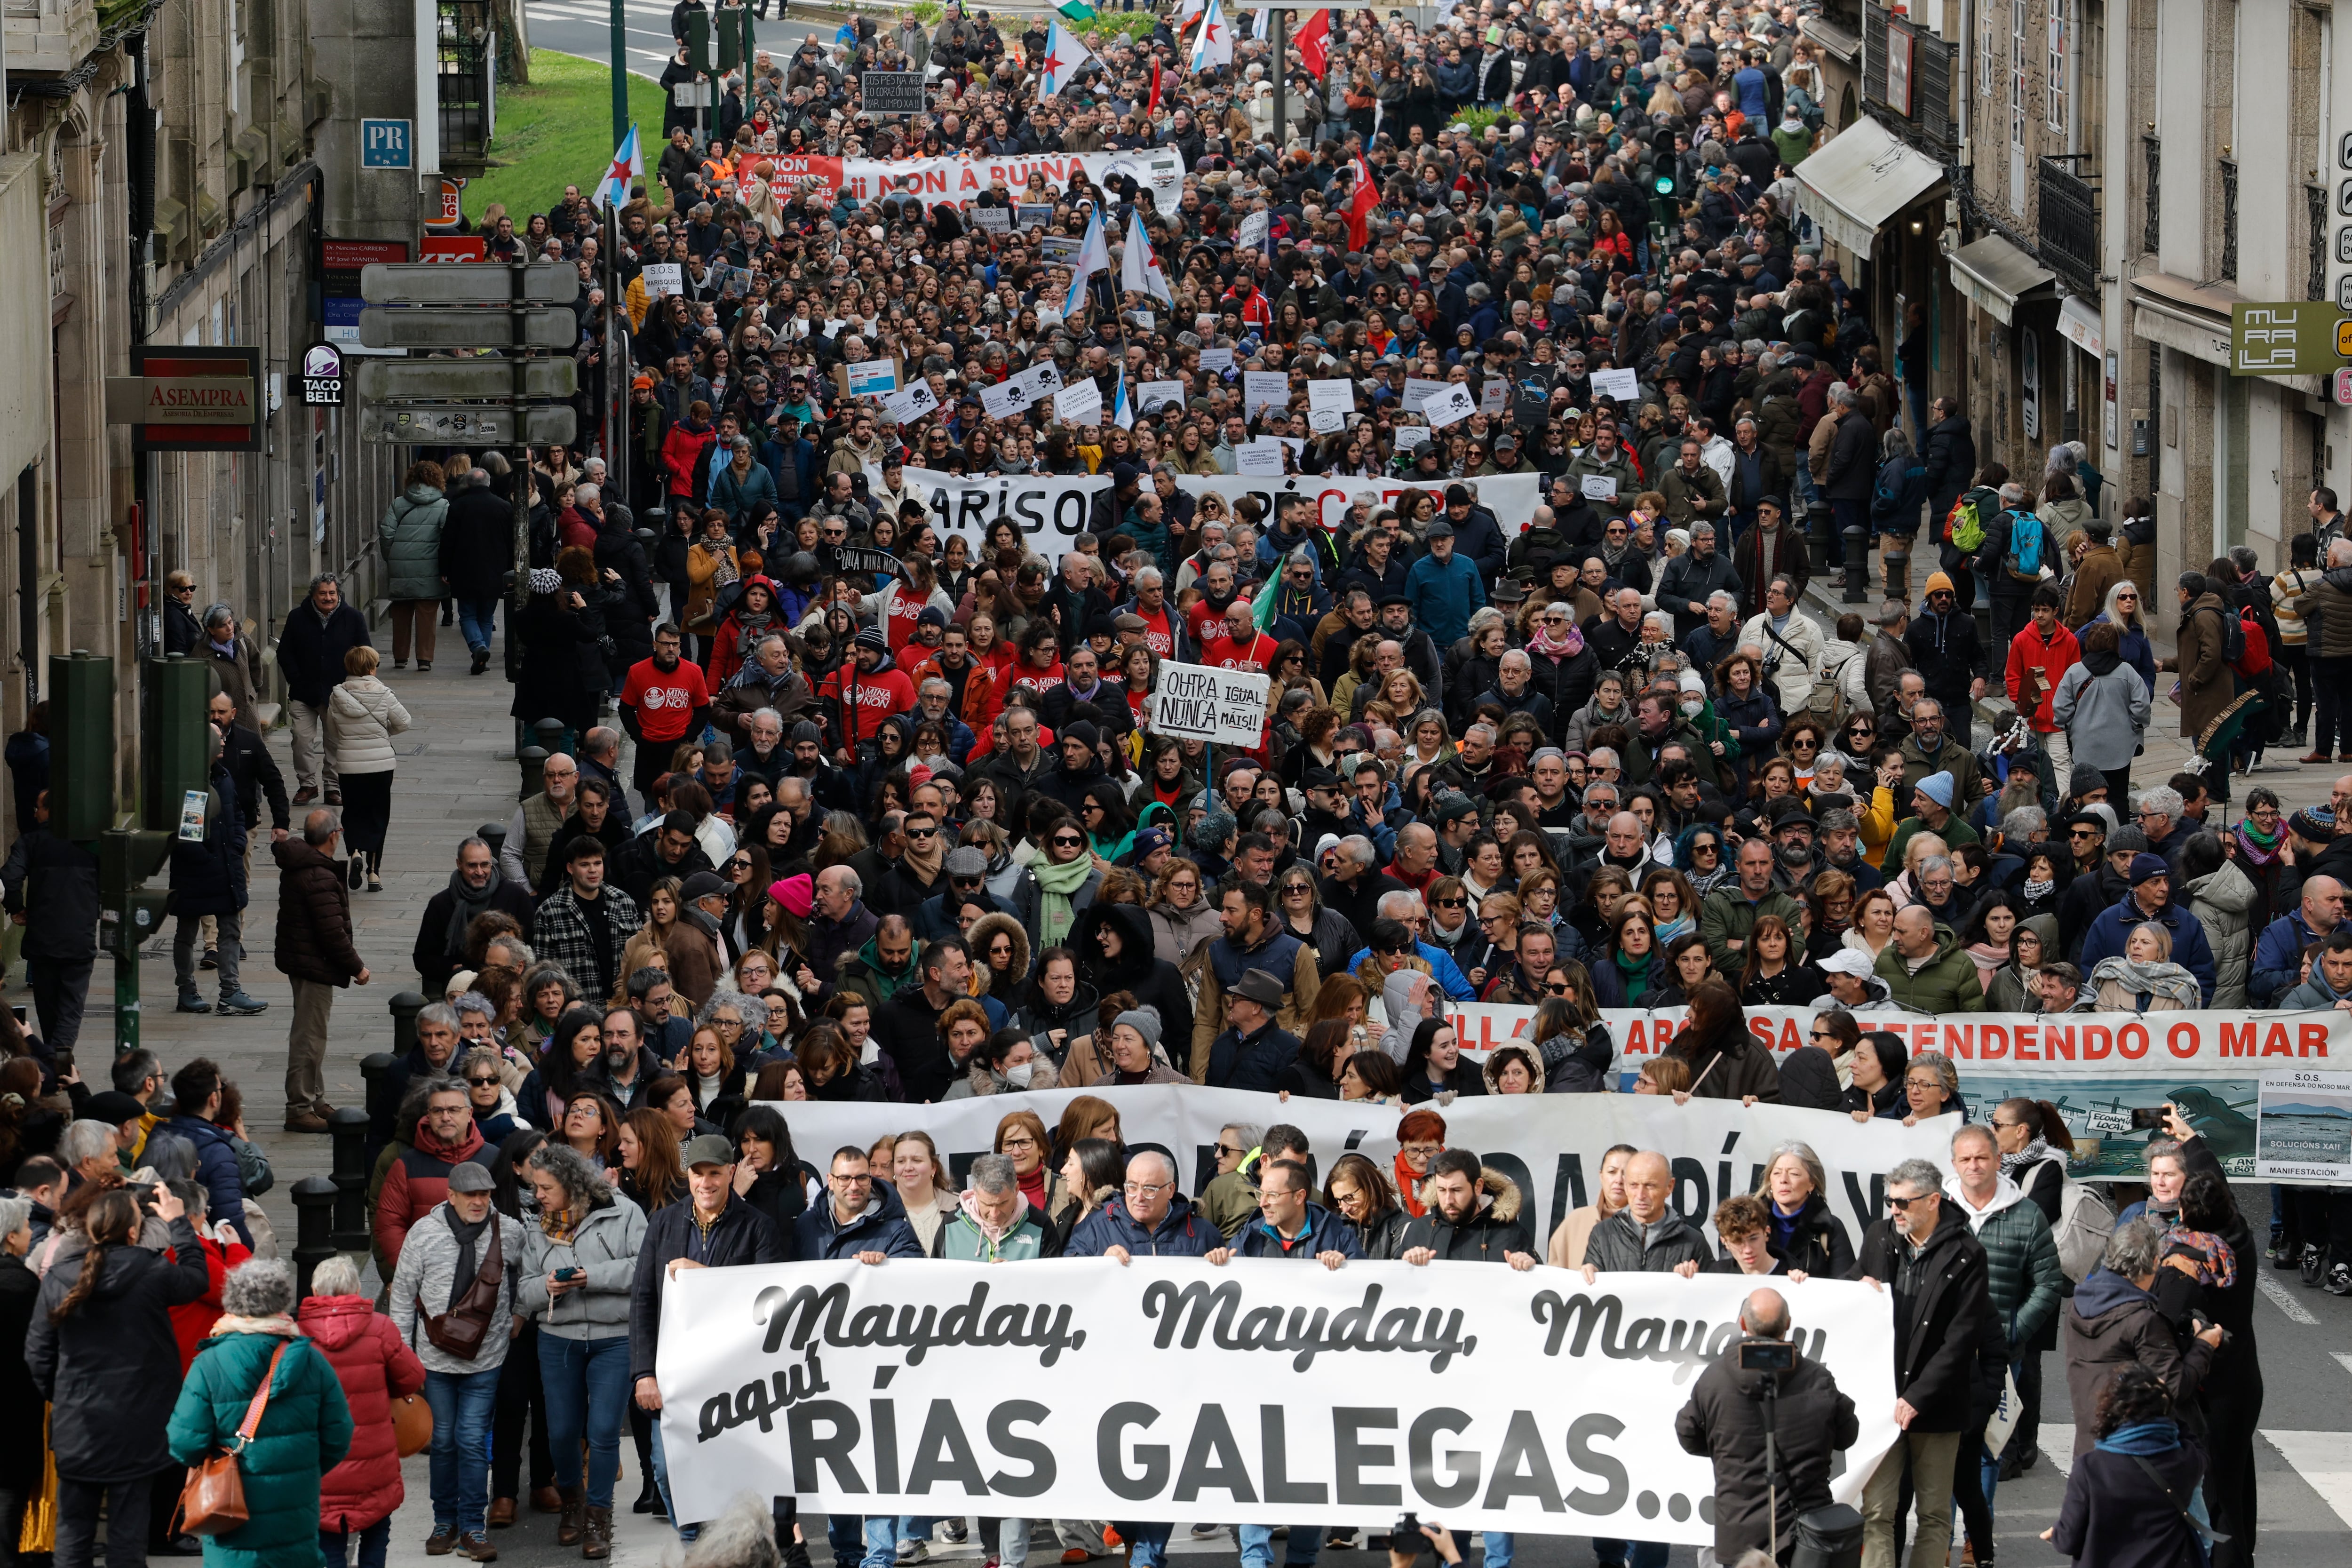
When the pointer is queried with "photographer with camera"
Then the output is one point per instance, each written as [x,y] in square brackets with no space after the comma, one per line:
[1769,1420]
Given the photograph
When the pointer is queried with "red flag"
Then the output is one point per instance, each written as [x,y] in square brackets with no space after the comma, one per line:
[1314,41]
[1360,206]
[1153,108]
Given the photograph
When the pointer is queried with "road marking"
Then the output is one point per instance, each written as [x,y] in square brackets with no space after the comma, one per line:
[2323,1459]
[2342,1359]
[2284,1299]
[2057,1445]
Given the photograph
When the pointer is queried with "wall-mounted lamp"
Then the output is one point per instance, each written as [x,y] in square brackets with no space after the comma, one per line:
[1919,226]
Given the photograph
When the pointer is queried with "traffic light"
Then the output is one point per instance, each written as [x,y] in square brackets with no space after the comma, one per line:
[735,43]
[698,41]
[176,753]
[81,745]
[126,858]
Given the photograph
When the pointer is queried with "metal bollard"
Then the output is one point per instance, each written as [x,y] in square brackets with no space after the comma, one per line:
[1857,565]
[314,1223]
[348,1126]
[493,834]
[404,1007]
[533,762]
[550,734]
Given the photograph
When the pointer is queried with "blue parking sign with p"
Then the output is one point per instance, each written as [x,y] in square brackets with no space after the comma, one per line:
[385,144]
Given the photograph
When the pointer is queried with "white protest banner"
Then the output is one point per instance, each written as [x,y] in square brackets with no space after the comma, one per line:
[1220,360]
[664,277]
[1262,1392]
[1258,459]
[1049,510]
[1512,498]
[1408,436]
[1200,703]
[1494,395]
[2305,1129]
[1006,399]
[873,377]
[1041,379]
[1597,487]
[1151,397]
[995,220]
[1264,389]
[1624,385]
[1328,403]
[911,403]
[1450,406]
[1159,171]
[1419,390]
[1080,402]
[1251,235]
[1549,1144]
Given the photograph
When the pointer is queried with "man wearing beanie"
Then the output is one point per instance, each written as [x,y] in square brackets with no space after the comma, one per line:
[2150,899]
[2099,884]
[827,785]
[1935,808]
[1945,651]
[862,693]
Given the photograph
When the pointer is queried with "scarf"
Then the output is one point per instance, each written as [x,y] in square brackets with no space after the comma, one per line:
[469,1261]
[2043,889]
[2166,980]
[1408,1186]
[927,855]
[2142,1438]
[2253,847]
[1563,647]
[2015,1166]
[465,904]
[2217,1260]
[1060,884]
[234,1323]
[1635,969]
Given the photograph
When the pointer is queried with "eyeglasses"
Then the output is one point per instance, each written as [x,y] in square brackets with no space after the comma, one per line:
[1900,1203]
[1023,1142]
[1068,840]
[483,1082]
[1230,1149]
[1137,1189]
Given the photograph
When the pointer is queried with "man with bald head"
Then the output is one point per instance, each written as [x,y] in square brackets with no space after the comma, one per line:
[1151,1220]
[1646,1236]
[2278,955]
[1725,1423]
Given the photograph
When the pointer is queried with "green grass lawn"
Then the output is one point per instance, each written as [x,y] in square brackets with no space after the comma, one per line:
[559,131]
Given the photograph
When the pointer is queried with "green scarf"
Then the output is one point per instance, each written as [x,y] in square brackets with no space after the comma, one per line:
[1060,884]
[1635,968]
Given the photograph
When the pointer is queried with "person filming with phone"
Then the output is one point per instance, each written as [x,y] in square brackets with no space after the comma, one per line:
[1770,1420]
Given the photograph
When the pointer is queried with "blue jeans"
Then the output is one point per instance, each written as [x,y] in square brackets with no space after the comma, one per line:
[912,1526]
[881,1539]
[1150,1542]
[1257,1545]
[1498,1545]
[585,1384]
[1806,494]
[461,1402]
[686,1531]
[478,618]
[376,1541]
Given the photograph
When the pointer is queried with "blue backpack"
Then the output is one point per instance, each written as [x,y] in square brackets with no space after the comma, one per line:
[2026,541]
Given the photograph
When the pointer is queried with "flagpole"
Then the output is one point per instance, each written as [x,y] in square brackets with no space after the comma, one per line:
[1281,69]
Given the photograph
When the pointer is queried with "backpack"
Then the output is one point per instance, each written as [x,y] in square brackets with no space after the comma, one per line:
[2085,1220]
[1964,527]
[2234,640]
[2026,539]
[2253,660]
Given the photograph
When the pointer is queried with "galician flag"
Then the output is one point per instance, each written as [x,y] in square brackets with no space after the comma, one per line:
[1076,10]
[1139,268]
[1215,44]
[1065,56]
[1120,414]
[628,165]
[1094,256]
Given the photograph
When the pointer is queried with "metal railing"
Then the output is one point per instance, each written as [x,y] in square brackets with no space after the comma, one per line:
[2154,231]
[2229,267]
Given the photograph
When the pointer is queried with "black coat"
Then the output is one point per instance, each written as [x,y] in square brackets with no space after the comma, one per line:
[208,876]
[478,543]
[311,651]
[437,956]
[53,883]
[112,1372]
[1950,457]
[1936,1347]
[256,773]
[1724,1422]
[1497,1229]
[20,1441]
[1152,981]
[1817,1243]
[743,1235]
[1617,1247]
[2114,1516]
[563,660]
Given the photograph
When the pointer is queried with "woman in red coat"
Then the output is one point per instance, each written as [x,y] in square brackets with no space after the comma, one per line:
[359,1496]
[192,1321]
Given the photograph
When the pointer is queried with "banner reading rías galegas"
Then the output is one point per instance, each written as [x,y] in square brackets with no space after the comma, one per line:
[1548,1145]
[1158,171]
[1265,1391]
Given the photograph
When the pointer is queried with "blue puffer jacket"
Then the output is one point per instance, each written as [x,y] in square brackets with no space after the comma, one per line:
[1325,1232]
[1183,1232]
[216,1168]
[882,1228]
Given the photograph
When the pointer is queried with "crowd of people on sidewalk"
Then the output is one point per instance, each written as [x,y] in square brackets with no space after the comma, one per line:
[816,832]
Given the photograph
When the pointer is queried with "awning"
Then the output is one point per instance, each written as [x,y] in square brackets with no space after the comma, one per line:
[1841,42]
[1859,179]
[2186,315]
[2078,323]
[1997,274]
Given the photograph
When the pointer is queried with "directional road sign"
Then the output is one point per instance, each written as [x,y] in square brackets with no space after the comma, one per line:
[489,425]
[433,328]
[466,379]
[433,283]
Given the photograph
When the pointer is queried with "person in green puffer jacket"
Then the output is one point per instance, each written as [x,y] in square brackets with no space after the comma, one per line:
[995,1221]
[1925,968]
[305,1431]
[410,538]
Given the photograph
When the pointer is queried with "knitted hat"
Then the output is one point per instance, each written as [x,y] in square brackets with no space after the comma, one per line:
[1937,583]
[2083,780]
[2127,837]
[1938,787]
[1144,1021]
[2145,866]
[869,637]
[2315,824]
[796,894]
[805,731]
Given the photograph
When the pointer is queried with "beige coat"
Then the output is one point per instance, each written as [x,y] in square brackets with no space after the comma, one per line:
[363,716]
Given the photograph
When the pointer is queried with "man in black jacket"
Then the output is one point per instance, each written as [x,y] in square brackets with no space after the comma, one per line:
[58,910]
[1724,1422]
[907,1027]
[713,1229]
[475,888]
[1936,1269]
[310,648]
[1647,1236]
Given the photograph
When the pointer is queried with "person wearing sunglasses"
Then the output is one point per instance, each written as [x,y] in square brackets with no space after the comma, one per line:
[1943,1312]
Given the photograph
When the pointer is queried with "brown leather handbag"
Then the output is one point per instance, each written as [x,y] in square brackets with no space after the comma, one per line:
[412,1425]
[459,1331]
[211,1502]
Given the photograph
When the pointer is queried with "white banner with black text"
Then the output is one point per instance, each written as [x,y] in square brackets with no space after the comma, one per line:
[1262,1392]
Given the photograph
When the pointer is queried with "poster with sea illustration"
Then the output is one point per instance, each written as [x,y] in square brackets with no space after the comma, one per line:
[2302,1126]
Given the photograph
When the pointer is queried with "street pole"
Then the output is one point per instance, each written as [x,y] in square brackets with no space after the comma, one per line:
[518,271]
[620,72]
[1280,71]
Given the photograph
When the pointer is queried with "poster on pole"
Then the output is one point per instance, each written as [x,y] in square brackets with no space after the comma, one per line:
[1199,702]
[1080,402]
[2302,1126]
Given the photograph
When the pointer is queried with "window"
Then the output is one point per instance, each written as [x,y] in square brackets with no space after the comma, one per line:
[2058,83]
[2017,73]
[1986,75]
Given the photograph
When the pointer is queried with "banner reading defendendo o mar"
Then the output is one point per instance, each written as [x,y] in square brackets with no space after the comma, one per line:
[2095,1066]
[1265,1391]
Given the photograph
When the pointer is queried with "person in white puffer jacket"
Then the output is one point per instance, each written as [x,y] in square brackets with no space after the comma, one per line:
[363,716]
